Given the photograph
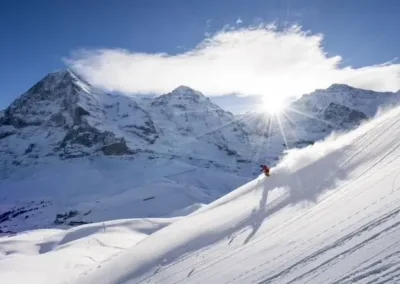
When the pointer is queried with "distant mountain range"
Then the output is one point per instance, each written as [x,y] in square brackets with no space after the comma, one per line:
[63,121]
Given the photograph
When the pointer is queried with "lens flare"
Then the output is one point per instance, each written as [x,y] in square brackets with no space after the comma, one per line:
[273,105]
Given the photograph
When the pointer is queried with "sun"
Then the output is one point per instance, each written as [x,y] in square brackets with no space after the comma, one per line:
[273,105]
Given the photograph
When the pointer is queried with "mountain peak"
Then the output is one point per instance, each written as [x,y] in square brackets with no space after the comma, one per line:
[182,88]
[339,88]
[179,95]
[61,74]
[63,77]
[56,94]
[186,91]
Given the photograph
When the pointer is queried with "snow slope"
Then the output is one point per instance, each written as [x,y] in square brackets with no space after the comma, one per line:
[329,213]
[47,256]
[105,188]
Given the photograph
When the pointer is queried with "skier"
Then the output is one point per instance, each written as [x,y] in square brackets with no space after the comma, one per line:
[265,169]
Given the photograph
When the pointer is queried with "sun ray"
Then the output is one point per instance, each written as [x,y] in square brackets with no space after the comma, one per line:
[192,139]
[270,131]
[255,157]
[245,117]
[282,132]
[309,116]
[292,124]
[287,117]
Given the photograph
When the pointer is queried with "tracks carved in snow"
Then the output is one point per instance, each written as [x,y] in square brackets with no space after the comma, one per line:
[337,244]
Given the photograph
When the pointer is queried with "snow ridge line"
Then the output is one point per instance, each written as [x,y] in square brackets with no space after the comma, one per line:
[281,255]
[262,236]
[344,163]
[243,248]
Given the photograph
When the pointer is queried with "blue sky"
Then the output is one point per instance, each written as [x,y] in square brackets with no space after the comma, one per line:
[38,35]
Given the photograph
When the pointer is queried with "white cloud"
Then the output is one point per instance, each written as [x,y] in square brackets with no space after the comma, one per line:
[256,60]
[239,21]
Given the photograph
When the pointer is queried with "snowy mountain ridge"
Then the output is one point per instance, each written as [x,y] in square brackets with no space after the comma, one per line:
[315,115]
[62,116]
[67,147]
[365,101]
[78,121]
[73,119]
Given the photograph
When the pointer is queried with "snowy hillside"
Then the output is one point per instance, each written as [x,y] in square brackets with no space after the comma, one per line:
[327,214]
[78,191]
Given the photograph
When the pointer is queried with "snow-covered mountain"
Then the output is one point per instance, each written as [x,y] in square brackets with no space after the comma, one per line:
[62,115]
[329,213]
[314,116]
[190,123]
[71,153]
[67,147]
[365,101]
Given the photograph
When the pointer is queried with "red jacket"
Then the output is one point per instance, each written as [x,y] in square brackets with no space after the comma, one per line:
[264,169]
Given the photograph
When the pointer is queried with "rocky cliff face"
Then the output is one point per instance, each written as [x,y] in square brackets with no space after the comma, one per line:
[63,116]
[343,117]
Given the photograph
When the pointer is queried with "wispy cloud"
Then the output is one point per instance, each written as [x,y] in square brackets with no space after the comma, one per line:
[239,21]
[260,60]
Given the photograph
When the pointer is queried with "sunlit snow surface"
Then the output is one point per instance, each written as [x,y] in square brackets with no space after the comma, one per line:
[328,213]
